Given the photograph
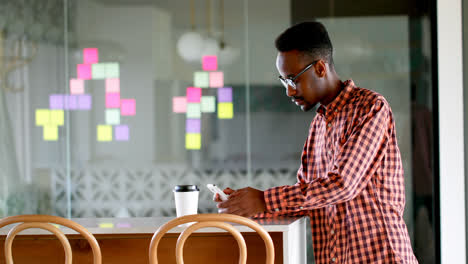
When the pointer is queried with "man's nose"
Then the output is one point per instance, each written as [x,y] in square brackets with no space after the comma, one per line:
[290,91]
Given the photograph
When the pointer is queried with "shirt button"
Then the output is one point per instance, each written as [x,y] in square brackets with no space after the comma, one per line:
[329,152]
[333,259]
[332,232]
[276,209]
[336,110]
[301,207]
[329,124]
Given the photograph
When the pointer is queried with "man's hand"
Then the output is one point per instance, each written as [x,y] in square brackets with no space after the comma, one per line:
[245,202]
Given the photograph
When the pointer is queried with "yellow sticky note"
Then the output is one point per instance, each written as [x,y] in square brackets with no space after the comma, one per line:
[225,111]
[56,117]
[42,117]
[192,141]
[50,132]
[104,133]
[106,225]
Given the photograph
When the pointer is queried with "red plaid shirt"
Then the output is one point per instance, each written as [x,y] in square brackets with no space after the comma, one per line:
[351,183]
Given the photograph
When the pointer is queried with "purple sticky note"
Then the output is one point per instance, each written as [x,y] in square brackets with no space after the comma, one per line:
[84,101]
[193,125]
[210,63]
[113,85]
[76,86]
[123,225]
[112,100]
[90,55]
[71,102]
[84,71]
[121,133]
[127,107]
[56,101]
[225,94]
[179,104]
[193,94]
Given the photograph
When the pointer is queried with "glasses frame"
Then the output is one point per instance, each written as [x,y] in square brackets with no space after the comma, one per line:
[291,81]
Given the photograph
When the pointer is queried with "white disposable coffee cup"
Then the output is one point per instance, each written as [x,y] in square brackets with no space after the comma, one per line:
[186,199]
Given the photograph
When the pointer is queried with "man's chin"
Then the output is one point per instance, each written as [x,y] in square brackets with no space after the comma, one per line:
[307,107]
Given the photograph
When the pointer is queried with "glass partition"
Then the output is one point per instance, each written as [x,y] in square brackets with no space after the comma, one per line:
[107,104]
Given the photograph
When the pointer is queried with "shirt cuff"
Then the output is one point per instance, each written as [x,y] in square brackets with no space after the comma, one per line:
[280,200]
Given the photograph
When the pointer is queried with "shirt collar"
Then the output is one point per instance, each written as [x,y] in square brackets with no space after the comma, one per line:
[339,102]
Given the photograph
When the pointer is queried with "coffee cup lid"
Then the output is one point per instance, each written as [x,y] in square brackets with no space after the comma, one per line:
[186,188]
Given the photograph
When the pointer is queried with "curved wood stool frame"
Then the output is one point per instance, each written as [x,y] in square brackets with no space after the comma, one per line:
[211,220]
[44,222]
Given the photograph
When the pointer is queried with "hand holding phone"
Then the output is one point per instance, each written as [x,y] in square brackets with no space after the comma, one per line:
[216,190]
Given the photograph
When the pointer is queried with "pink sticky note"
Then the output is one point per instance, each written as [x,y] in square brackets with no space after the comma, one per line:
[76,86]
[216,79]
[193,94]
[90,55]
[84,71]
[210,63]
[127,107]
[112,100]
[113,85]
[179,104]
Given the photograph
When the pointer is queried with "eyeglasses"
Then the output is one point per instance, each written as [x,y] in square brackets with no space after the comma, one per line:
[291,81]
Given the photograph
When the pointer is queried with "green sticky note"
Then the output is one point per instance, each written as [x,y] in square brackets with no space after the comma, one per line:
[50,133]
[106,225]
[104,133]
[193,110]
[208,104]
[112,70]
[225,111]
[98,70]
[113,116]
[192,141]
[42,117]
[57,117]
[201,79]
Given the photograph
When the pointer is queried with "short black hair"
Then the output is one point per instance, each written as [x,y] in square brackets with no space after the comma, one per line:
[311,38]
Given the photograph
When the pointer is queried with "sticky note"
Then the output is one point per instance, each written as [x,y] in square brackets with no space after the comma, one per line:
[193,125]
[84,102]
[42,117]
[201,79]
[112,100]
[106,225]
[84,71]
[210,63]
[57,117]
[124,225]
[76,86]
[50,133]
[216,79]
[70,102]
[121,133]
[112,116]
[225,111]
[127,107]
[90,55]
[208,104]
[104,133]
[56,101]
[113,85]
[193,94]
[179,104]
[225,94]
[193,141]
[193,110]
[98,71]
[112,70]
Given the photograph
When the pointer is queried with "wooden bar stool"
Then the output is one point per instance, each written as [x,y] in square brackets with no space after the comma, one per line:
[211,220]
[45,222]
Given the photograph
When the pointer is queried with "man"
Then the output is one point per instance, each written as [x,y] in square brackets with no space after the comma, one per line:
[350,182]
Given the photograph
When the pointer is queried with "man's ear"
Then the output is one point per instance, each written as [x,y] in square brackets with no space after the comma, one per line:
[320,68]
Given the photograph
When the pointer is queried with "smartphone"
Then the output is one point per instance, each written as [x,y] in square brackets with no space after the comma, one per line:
[216,190]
